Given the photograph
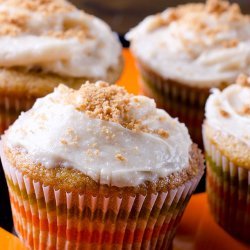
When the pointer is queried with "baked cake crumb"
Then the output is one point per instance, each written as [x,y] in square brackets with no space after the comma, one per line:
[109,103]
[163,133]
[17,23]
[120,157]
[224,113]
[217,6]
[243,80]
[245,110]
[45,6]
[230,43]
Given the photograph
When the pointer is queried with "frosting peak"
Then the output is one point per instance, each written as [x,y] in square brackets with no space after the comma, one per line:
[56,37]
[198,44]
[229,110]
[114,137]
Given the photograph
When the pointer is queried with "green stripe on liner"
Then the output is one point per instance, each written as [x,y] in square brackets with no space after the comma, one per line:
[97,214]
[226,177]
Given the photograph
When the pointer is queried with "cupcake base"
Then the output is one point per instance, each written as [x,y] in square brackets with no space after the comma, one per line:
[48,218]
[228,189]
[179,100]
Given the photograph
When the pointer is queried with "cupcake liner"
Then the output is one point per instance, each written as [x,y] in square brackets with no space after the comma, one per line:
[47,218]
[182,101]
[228,189]
[11,107]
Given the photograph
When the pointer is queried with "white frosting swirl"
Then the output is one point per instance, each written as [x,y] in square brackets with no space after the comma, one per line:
[228,111]
[196,44]
[57,134]
[67,42]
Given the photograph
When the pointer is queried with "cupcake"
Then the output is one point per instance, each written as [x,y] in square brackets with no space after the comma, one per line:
[44,43]
[98,167]
[226,138]
[184,51]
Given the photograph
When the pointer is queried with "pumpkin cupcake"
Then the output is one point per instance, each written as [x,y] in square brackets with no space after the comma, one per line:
[184,51]
[227,143]
[98,167]
[44,43]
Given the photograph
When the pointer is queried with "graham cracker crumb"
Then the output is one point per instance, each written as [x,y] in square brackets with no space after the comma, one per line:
[217,6]
[64,142]
[163,133]
[108,103]
[44,6]
[224,113]
[245,110]
[108,133]
[230,44]
[243,80]
[92,152]
[161,118]
[12,25]
[195,18]
[16,23]
[120,157]
[71,138]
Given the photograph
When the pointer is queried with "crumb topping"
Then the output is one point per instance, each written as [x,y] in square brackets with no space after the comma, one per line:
[163,133]
[224,113]
[243,80]
[245,110]
[14,23]
[196,16]
[108,103]
[70,138]
[230,43]
[44,6]
[217,6]
[120,157]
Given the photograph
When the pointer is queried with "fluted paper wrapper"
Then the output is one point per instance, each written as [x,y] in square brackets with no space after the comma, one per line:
[11,107]
[179,100]
[228,189]
[48,218]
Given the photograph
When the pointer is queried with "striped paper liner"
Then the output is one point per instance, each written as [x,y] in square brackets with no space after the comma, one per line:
[48,218]
[228,189]
[11,107]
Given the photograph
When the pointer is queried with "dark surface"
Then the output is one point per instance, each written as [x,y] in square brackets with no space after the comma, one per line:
[5,211]
[122,15]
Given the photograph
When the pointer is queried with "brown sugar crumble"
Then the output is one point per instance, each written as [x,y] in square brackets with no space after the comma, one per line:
[224,113]
[163,133]
[45,6]
[217,6]
[106,102]
[196,16]
[71,138]
[243,80]
[230,44]
[120,157]
[14,24]
[245,110]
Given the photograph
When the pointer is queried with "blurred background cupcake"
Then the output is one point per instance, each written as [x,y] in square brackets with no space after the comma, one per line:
[226,134]
[62,193]
[184,51]
[44,43]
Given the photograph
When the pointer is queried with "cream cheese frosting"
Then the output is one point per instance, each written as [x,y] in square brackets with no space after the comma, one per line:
[228,111]
[197,44]
[56,37]
[114,137]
